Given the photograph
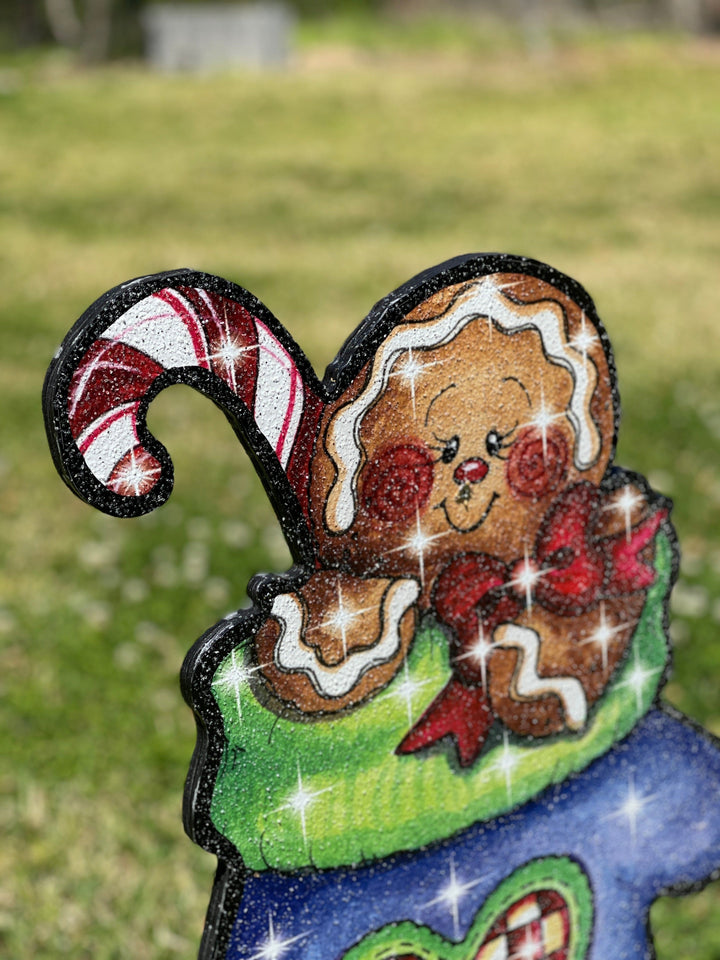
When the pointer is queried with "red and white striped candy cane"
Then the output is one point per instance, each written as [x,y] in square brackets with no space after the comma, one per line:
[181,327]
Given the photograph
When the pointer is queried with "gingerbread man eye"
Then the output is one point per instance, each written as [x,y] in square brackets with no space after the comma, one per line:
[450,450]
[493,443]
[398,482]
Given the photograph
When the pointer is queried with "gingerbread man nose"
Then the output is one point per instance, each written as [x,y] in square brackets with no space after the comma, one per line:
[470,471]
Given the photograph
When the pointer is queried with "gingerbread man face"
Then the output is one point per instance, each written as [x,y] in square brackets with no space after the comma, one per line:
[465,429]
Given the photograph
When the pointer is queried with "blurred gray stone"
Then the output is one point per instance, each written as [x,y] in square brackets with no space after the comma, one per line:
[207,37]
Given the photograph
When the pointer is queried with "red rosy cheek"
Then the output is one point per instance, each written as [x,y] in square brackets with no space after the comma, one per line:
[535,467]
[397,482]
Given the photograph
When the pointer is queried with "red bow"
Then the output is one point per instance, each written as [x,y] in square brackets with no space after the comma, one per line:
[569,573]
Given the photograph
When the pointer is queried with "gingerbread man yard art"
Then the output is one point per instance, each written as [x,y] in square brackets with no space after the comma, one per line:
[439,735]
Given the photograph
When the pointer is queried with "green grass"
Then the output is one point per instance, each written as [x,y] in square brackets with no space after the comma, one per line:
[319,189]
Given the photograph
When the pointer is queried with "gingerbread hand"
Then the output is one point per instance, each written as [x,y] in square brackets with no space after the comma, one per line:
[338,639]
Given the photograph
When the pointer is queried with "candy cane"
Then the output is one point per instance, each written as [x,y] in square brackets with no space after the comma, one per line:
[189,328]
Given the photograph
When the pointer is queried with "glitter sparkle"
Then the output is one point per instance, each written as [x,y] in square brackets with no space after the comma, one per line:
[543,419]
[526,575]
[229,352]
[506,763]
[479,653]
[631,808]
[603,634]
[638,679]
[583,340]
[406,691]
[451,895]
[528,949]
[411,371]
[301,800]
[134,476]
[628,500]
[497,288]
[418,543]
[274,947]
[342,618]
[236,677]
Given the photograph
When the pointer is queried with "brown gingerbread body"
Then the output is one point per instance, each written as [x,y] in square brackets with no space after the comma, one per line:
[454,442]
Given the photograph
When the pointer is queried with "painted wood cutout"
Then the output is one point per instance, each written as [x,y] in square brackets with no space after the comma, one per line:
[439,735]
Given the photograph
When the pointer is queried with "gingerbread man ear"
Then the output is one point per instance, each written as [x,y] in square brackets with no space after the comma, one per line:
[179,327]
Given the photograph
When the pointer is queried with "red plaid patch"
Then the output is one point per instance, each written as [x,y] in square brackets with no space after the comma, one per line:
[537,927]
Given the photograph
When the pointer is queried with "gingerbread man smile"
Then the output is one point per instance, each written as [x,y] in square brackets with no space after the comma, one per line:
[464,497]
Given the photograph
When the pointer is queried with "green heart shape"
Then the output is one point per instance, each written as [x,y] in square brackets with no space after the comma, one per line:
[559,874]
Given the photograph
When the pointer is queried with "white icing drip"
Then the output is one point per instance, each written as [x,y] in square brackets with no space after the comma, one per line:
[294,656]
[528,685]
[344,431]
[480,300]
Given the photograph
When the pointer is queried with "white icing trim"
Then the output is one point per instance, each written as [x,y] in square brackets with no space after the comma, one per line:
[481,299]
[527,685]
[294,656]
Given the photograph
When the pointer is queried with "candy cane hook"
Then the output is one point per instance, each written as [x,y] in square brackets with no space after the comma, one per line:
[179,327]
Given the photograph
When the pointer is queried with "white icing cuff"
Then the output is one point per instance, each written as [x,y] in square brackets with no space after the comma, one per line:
[527,685]
[293,655]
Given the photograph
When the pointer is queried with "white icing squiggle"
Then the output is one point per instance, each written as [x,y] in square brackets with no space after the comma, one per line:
[481,299]
[294,656]
[527,685]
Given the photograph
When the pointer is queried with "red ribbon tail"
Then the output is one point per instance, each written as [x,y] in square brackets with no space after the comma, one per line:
[629,573]
[458,711]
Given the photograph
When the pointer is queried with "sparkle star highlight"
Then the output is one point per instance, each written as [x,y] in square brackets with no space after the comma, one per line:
[637,679]
[529,949]
[301,800]
[342,618]
[479,653]
[603,634]
[506,763]
[628,500]
[543,419]
[235,677]
[411,371]
[631,808]
[229,352]
[418,544]
[134,476]
[583,340]
[275,947]
[526,575]
[451,895]
[406,691]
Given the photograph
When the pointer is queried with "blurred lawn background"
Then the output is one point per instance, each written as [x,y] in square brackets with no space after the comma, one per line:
[382,151]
